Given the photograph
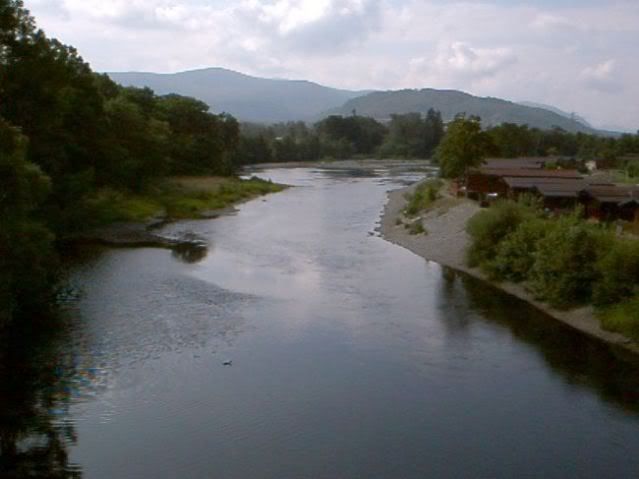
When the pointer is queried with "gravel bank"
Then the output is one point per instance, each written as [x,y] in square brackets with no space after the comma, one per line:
[445,243]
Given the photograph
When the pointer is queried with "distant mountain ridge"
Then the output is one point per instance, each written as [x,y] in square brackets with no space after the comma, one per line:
[559,111]
[245,97]
[493,111]
[262,100]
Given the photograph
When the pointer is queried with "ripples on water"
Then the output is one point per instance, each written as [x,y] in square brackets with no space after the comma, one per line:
[351,358]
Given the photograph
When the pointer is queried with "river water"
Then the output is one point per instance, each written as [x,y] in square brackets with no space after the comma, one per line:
[351,358]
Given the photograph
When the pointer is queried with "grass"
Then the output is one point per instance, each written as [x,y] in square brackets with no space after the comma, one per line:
[622,318]
[176,198]
[423,197]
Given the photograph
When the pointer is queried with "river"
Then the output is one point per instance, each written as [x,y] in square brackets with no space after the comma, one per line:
[351,358]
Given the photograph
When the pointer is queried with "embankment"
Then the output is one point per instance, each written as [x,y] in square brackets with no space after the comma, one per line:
[445,242]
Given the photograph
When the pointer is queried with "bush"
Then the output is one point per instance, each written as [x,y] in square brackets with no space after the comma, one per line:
[565,267]
[618,273]
[517,253]
[622,318]
[489,227]
[423,197]
[416,228]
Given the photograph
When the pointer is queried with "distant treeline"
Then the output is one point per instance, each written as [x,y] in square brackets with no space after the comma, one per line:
[414,135]
[411,135]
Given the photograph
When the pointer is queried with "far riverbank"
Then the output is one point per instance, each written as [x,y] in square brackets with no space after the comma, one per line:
[446,241]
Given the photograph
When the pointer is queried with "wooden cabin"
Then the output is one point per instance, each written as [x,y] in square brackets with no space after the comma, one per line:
[491,181]
[611,202]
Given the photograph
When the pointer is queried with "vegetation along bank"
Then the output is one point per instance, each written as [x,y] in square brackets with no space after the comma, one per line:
[541,245]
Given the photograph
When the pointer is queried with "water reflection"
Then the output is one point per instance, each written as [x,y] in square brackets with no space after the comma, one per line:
[190,253]
[581,361]
[34,441]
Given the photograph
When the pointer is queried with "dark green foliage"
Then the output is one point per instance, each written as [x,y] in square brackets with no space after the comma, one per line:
[413,136]
[618,270]
[464,146]
[517,252]
[252,150]
[565,270]
[512,140]
[490,227]
[564,261]
[27,259]
[79,132]
[363,135]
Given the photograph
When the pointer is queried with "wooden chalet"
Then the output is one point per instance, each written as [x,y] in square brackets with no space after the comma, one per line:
[485,181]
[611,202]
[560,189]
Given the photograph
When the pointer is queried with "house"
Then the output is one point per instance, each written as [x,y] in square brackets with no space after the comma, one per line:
[485,181]
[611,202]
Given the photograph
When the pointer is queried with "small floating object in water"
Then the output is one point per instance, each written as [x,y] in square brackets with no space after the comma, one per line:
[228,362]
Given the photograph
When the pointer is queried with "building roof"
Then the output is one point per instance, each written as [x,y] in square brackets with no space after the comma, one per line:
[528,163]
[529,173]
[614,194]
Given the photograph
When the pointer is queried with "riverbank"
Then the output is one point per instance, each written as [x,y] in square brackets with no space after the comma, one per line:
[130,220]
[445,242]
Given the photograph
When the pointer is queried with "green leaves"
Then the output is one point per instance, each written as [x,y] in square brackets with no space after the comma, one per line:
[464,146]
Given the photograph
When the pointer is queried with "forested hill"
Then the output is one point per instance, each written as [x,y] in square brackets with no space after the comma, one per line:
[493,111]
[245,97]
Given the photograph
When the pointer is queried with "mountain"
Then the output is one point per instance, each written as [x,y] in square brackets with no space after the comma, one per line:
[245,97]
[493,111]
[264,100]
[565,114]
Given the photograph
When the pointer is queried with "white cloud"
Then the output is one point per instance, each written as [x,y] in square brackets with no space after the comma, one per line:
[474,62]
[520,51]
[602,77]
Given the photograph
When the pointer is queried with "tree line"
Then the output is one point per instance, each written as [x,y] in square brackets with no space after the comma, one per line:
[465,145]
[410,135]
[65,134]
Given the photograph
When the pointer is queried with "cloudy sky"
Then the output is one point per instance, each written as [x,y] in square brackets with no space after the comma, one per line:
[578,55]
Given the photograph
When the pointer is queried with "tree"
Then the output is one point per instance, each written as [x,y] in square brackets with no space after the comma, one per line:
[27,258]
[362,133]
[464,146]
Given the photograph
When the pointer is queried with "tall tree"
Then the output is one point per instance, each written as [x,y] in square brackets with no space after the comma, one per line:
[464,146]
[27,258]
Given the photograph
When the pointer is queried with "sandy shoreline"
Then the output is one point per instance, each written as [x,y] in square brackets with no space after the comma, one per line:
[446,242]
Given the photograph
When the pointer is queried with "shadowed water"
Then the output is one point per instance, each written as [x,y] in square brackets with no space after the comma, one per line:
[351,358]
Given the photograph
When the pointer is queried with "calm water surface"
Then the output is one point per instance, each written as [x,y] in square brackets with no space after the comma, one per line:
[351,358]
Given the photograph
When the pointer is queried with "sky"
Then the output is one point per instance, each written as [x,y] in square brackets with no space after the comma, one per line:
[580,56]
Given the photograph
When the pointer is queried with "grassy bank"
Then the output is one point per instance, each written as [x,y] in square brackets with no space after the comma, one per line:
[423,197]
[563,261]
[176,198]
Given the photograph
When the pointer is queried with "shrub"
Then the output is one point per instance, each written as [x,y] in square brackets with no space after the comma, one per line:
[564,271]
[416,228]
[618,272]
[622,318]
[489,227]
[517,253]
[423,197]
